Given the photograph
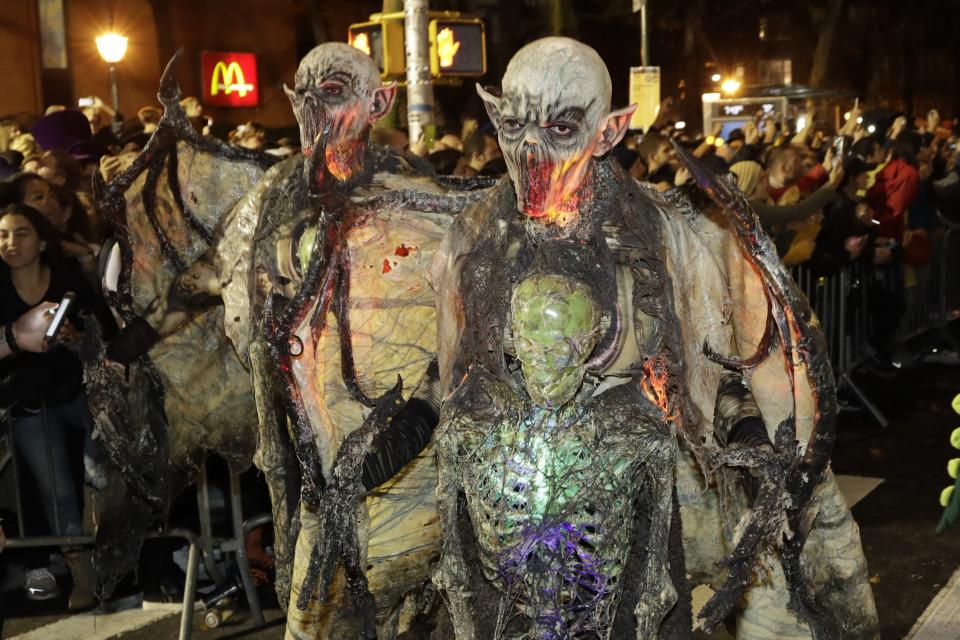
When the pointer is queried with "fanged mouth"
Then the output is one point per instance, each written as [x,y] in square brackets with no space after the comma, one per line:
[311,126]
[542,198]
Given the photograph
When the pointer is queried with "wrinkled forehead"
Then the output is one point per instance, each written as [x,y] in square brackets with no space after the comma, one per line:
[552,76]
[340,62]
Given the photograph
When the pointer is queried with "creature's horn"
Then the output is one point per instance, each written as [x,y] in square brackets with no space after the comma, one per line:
[169,93]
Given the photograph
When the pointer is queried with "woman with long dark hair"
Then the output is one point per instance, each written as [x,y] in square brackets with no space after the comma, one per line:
[61,210]
[44,391]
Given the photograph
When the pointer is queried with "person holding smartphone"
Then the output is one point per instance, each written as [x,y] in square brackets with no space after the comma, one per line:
[44,391]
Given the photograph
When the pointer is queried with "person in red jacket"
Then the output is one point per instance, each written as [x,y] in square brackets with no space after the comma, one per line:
[895,188]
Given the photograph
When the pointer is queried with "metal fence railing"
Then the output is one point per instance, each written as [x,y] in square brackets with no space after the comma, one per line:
[201,545]
[843,306]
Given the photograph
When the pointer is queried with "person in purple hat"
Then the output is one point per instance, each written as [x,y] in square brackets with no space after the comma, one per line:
[69,131]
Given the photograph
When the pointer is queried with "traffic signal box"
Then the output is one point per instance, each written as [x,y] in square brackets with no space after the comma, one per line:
[458,45]
[382,40]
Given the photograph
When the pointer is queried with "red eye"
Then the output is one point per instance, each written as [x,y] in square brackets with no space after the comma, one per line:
[332,90]
[561,130]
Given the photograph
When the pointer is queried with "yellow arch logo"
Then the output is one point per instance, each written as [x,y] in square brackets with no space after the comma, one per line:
[230,79]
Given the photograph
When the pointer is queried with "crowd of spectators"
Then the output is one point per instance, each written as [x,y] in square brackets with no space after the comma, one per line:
[869,196]
[828,198]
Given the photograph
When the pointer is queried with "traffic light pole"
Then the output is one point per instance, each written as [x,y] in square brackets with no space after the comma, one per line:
[419,87]
[644,35]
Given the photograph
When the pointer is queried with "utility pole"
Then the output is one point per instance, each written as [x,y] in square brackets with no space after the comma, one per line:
[419,86]
[641,6]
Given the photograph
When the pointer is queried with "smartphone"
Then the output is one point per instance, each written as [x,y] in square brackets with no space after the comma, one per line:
[60,316]
[85,102]
[838,147]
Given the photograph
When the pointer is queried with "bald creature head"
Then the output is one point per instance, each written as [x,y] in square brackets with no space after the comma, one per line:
[552,118]
[339,85]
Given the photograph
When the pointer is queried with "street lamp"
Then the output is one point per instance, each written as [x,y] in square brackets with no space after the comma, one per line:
[730,86]
[112,47]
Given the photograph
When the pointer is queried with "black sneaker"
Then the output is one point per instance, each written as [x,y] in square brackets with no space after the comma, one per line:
[41,585]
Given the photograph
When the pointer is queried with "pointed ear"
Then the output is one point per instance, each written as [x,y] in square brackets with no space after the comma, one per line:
[492,103]
[291,94]
[383,101]
[613,129]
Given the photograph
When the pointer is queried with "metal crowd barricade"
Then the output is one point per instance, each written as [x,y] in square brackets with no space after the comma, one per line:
[840,304]
[201,547]
[932,294]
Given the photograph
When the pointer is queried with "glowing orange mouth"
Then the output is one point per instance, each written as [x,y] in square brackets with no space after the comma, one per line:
[553,191]
[345,160]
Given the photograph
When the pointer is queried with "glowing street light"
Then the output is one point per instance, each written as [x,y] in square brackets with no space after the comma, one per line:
[112,48]
[716,77]
[730,86]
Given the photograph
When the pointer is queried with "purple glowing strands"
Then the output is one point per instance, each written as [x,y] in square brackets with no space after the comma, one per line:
[556,558]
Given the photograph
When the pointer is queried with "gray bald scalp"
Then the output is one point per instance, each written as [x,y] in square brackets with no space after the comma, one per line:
[351,65]
[560,69]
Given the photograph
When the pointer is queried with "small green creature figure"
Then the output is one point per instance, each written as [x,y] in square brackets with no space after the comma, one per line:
[555,327]
[553,478]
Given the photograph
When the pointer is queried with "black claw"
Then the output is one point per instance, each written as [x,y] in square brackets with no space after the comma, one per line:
[169,93]
[704,178]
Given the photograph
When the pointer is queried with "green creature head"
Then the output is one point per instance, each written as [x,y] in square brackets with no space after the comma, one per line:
[556,324]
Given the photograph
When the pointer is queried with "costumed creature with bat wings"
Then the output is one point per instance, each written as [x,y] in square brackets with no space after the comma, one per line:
[292,296]
[610,361]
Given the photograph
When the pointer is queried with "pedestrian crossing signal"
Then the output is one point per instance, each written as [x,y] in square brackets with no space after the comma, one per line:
[382,40]
[457,47]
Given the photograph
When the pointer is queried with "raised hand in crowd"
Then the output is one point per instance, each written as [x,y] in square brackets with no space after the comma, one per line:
[932,122]
[854,246]
[803,135]
[897,127]
[836,174]
[828,160]
[849,127]
[769,130]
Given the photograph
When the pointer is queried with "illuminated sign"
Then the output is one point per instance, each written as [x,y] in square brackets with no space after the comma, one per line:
[457,47]
[229,79]
[362,42]
[645,93]
[744,107]
[382,40]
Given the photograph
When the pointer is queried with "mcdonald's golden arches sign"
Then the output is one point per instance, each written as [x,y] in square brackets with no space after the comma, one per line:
[229,79]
